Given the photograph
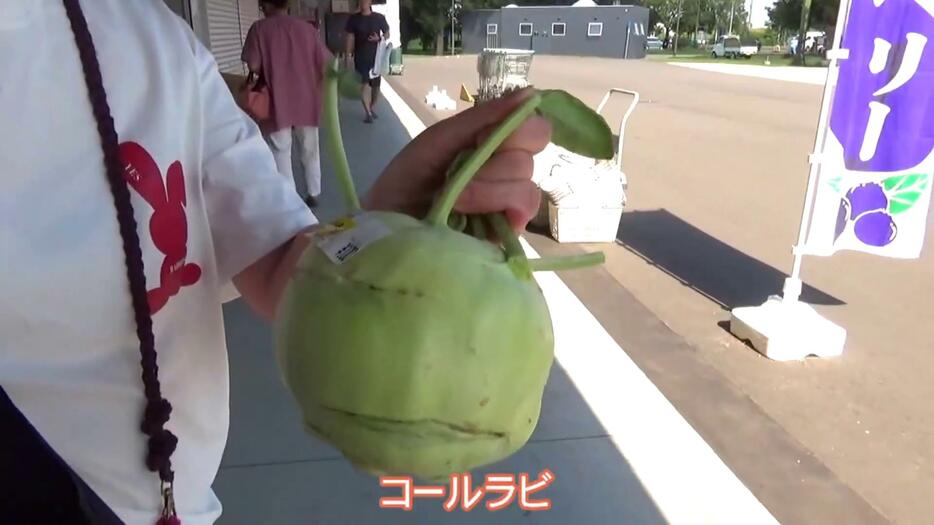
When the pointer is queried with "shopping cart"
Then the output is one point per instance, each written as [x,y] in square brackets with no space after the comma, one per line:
[583,198]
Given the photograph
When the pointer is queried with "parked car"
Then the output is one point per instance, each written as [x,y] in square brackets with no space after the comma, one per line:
[726,47]
[748,47]
[653,43]
[730,46]
[814,42]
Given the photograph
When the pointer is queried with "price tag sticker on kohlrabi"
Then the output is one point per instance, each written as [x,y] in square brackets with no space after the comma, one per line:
[347,237]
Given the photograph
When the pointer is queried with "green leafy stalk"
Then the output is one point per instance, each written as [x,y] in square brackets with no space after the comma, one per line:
[457,222]
[572,262]
[478,229]
[452,190]
[335,139]
[515,255]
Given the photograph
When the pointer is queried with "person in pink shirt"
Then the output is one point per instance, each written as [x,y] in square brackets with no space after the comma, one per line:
[291,58]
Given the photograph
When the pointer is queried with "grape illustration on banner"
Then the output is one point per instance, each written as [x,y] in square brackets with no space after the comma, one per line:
[872,207]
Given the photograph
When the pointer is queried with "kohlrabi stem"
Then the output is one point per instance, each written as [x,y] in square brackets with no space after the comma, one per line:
[457,222]
[506,235]
[477,227]
[456,184]
[572,262]
[335,139]
[515,255]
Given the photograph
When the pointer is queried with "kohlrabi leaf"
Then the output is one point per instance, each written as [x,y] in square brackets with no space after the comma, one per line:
[349,84]
[575,126]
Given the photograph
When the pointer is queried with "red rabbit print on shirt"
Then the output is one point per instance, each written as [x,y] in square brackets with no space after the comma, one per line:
[168,225]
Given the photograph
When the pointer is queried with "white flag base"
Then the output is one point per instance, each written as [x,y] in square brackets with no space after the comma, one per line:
[787,330]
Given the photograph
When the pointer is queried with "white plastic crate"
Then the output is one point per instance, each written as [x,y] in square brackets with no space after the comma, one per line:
[597,224]
[541,218]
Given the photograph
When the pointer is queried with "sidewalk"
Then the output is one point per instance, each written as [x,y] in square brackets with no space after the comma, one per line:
[816,76]
[619,451]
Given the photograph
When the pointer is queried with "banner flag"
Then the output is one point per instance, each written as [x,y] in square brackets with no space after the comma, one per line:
[877,165]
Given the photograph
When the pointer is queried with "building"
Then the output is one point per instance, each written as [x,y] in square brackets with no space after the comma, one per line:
[584,29]
[222,25]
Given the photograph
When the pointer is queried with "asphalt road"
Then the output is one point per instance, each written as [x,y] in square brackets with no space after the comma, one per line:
[717,167]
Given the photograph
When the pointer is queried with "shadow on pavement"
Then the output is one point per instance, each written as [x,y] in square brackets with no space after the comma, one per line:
[713,268]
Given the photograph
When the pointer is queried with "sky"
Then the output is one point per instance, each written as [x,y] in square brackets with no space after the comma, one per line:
[757,8]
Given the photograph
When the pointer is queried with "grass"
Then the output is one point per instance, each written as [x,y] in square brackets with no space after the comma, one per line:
[690,54]
[415,48]
[694,55]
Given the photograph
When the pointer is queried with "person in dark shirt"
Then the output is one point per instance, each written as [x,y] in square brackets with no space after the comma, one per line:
[365,30]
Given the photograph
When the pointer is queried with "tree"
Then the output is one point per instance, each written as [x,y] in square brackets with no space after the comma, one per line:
[694,10]
[429,18]
[786,14]
[803,31]
[710,15]
[802,15]
[664,11]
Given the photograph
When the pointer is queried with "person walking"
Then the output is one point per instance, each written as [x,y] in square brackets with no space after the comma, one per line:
[365,31]
[289,56]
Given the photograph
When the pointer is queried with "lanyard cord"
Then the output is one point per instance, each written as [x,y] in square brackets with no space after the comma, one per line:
[161,442]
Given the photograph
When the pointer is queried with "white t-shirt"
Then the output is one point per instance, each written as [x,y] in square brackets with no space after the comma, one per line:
[69,355]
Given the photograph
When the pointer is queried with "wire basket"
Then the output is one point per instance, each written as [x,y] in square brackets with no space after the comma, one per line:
[502,71]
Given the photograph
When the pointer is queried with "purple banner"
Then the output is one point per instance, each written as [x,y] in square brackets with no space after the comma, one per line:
[883,110]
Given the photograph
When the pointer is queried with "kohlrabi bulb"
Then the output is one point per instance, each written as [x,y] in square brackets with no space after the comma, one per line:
[425,353]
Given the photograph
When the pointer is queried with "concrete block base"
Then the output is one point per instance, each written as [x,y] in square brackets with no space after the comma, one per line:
[787,331]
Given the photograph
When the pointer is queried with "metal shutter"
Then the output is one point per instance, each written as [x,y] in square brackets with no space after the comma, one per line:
[249,13]
[225,35]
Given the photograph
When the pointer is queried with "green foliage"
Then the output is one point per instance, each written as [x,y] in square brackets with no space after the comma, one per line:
[424,20]
[712,16]
[786,14]
[767,36]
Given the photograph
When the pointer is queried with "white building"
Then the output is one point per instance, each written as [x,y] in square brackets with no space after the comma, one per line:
[223,24]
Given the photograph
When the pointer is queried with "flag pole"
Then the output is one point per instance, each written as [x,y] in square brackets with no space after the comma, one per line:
[784,328]
[792,289]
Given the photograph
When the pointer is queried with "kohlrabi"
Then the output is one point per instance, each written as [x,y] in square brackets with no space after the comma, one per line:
[411,347]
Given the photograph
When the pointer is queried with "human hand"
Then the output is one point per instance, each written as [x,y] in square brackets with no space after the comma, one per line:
[374,37]
[415,176]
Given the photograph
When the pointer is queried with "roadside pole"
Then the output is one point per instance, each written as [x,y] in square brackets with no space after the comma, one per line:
[678,26]
[800,52]
[732,6]
[628,32]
